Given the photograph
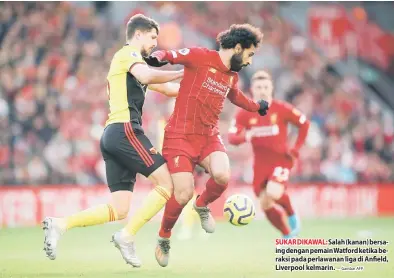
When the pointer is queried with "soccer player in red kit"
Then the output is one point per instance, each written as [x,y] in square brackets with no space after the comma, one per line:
[273,159]
[192,133]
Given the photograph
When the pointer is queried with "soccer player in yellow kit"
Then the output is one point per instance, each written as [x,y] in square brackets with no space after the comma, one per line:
[125,148]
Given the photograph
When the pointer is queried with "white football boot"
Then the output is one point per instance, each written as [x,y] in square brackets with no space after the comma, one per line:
[162,252]
[53,230]
[207,220]
[126,248]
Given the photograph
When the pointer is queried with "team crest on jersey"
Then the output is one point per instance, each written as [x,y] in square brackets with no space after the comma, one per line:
[176,161]
[253,121]
[184,51]
[274,118]
[212,70]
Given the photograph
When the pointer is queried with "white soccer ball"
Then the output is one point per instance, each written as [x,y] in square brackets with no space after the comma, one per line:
[239,210]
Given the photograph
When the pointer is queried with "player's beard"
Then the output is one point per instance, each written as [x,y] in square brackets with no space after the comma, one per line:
[236,62]
[145,52]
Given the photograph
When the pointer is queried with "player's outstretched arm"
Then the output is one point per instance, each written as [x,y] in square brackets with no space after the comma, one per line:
[187,57]
[168,89]
[239,99]
[295,117]
[147,75]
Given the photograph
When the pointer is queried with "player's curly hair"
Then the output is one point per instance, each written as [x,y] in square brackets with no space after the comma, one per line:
[142,23]
[244,34]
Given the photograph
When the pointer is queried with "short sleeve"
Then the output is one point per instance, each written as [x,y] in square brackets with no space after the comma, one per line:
[129,58]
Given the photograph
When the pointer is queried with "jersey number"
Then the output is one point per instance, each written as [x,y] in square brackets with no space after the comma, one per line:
[281,174]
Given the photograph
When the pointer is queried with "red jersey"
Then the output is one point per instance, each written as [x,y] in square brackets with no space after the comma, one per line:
[270,132]
[206,83]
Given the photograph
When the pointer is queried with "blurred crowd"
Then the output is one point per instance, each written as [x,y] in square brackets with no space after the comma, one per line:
[53,104]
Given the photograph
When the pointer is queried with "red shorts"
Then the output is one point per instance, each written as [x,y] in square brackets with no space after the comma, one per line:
[277,171]
[183,152]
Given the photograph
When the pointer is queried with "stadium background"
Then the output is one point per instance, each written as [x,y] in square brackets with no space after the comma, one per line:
[334,61]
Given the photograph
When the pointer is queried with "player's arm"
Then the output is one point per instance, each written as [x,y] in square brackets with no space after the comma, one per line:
[238,98]
[147,75]
[237,131]
[187,57]
[168,89]
[295,117]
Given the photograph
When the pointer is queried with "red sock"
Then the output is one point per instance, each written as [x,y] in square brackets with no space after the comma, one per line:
[212,191]
[277,219]
[284,201]
[171,214]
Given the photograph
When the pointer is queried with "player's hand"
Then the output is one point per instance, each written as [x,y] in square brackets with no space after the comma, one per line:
[264,106]
[156,59]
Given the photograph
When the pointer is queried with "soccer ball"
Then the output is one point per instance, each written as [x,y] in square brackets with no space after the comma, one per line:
[239,210]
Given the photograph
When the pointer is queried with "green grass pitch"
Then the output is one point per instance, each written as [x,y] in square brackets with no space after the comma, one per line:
[232,252]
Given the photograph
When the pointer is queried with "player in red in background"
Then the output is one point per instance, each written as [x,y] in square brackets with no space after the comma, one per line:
[273,159]
[192,133]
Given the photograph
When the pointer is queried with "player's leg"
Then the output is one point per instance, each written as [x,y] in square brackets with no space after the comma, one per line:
[214,160]
[179,152]
[218,165]
[183,192]
[293,220]
[135,151]
[276,189]
[120,181]
[274,214]
[154,202]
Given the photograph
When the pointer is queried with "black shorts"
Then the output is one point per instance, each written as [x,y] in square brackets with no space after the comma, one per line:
[126,152]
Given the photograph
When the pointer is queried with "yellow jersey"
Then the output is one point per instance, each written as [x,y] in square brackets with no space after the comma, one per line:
[126,94]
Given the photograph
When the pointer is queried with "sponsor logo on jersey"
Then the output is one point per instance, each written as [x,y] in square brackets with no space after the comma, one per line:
[212,70]
[216,87]
[265,131]
[134,54]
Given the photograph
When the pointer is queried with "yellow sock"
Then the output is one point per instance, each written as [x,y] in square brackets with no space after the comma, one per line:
[189,216]
[155,201]
[92,216]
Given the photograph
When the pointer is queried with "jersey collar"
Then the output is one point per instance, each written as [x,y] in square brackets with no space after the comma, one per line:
[221,65]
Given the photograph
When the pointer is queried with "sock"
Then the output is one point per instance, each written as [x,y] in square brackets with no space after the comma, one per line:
[92,216]
[212,191]
[155,201]
[284,201]
[277,219]
[171,214]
